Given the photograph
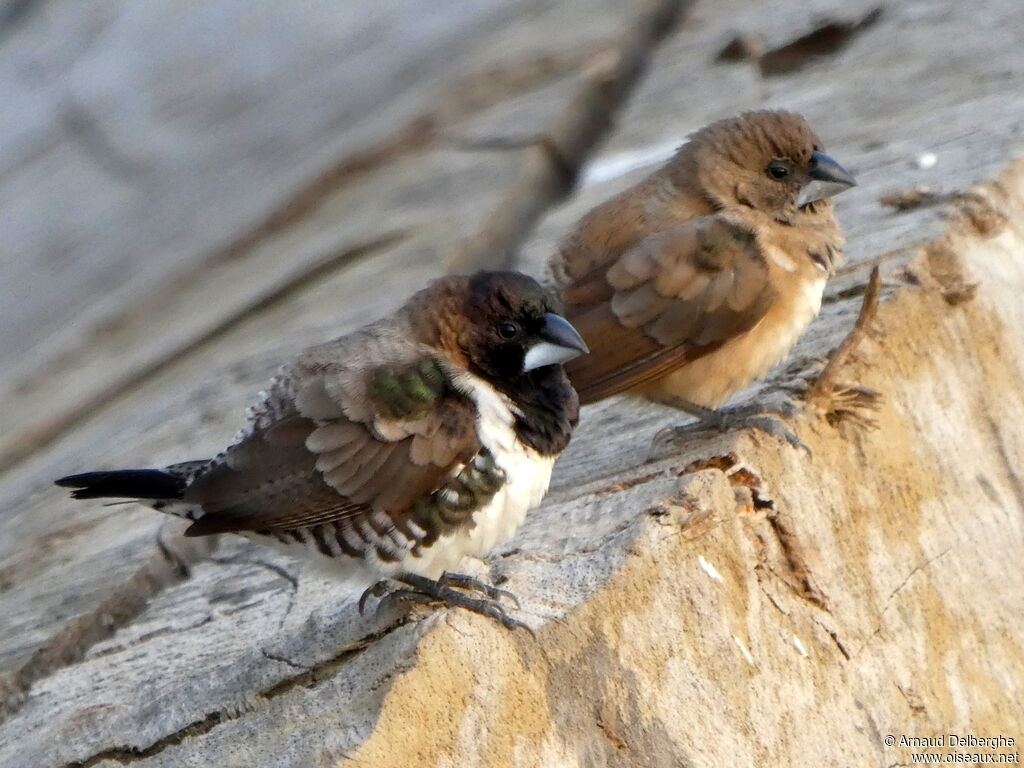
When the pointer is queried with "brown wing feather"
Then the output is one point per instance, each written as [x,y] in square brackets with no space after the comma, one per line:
[326,455]
[676,296]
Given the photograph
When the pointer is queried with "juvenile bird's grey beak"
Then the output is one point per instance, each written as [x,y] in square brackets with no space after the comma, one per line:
[828,178]
[559,343]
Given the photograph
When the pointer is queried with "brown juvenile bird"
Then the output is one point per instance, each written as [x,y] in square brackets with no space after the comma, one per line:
[695,282]
[397,450]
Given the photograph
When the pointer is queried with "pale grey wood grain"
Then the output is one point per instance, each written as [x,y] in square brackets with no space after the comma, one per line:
[233,131]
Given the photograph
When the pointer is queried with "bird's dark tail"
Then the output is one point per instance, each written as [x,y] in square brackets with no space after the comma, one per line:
[125,484]
[159,484]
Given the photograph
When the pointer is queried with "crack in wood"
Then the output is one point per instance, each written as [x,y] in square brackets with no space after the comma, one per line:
[792,550]
[913,701]
[275,657]
[758,570]
[310,677]
[124,603]
[613,738]
[835,639]
[626,483]
[917,569]
[277,570]
[722,463]
[146,637]
[885,606]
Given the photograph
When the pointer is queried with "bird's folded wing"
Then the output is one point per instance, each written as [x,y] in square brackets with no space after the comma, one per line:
[673,297]
[360,440]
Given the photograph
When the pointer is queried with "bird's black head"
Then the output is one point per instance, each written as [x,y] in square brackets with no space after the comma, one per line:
[512,327]
[504,328]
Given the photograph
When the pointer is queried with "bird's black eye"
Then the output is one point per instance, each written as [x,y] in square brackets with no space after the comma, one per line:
[508,329]
[777,171]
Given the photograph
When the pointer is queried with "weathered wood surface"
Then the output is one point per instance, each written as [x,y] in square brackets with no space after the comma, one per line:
[274,146]
[682,617]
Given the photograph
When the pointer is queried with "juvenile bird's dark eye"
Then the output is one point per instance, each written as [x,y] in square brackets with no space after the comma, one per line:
[507,329]
[777,171]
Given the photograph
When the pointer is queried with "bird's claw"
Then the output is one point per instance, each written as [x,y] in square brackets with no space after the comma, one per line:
[848,403]
[378,589]
[470,584]
[774,426]
[787,407]
[749,416]
[424,591]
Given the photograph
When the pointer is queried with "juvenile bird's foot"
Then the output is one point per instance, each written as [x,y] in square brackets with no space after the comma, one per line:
[446,591]
[752,415]
[848,404]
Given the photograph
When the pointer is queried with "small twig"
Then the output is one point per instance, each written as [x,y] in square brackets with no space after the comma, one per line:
[824,385]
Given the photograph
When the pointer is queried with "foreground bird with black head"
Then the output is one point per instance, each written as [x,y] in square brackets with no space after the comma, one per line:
[397,450]
[702,277]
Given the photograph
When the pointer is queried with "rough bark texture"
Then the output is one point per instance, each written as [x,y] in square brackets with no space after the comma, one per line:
[729,603]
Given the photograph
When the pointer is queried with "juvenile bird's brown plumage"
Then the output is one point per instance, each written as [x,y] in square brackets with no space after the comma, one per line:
[395,450]
[700,278]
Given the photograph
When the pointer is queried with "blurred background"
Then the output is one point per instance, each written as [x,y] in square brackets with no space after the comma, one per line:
[172,170]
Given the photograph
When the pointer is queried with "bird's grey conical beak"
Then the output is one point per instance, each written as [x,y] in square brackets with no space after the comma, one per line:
[828,178]
[559,343]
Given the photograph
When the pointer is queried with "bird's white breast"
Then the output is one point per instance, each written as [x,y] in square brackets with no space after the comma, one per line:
[527,475]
